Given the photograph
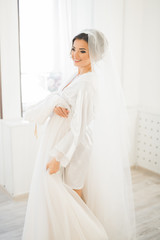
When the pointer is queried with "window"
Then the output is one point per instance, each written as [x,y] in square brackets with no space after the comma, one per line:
[40,74]
[46,31]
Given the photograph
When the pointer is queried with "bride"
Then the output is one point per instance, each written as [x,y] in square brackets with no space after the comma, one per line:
[81,185]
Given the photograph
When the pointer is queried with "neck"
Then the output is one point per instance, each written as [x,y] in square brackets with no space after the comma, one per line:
[85,69]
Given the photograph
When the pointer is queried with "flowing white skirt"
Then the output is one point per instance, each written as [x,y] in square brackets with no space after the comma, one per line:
[54,210]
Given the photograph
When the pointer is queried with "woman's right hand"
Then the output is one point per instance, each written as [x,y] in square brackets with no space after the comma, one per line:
[62,112]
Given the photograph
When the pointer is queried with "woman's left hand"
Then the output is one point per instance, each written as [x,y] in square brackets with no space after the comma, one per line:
[53,166]
[62,112]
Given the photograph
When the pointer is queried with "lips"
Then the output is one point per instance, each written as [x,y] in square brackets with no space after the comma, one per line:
[77,60]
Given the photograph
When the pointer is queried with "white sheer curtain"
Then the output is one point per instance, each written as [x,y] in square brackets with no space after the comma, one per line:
[72,16]
[63,30]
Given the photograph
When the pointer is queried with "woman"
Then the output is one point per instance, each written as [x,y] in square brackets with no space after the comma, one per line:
[79,155]
[73,176]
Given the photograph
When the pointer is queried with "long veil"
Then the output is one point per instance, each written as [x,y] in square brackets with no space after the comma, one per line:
[108,188]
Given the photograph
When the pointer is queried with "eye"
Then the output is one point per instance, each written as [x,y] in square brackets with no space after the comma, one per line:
[73,49]
[83,51]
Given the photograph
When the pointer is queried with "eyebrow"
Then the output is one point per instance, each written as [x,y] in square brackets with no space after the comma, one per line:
[80,48]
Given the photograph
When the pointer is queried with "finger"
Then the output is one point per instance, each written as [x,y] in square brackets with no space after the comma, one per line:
[51,171]
[64,111]
[59,112]
[55,109]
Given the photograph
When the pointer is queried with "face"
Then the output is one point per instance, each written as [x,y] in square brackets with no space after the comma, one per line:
[80,53]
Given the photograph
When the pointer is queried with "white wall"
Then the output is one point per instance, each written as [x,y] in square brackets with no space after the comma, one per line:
[141,60]
[142,54]
[149,84]
[10,72]
[132,50]
[19,154]
[131,66]
[108,18]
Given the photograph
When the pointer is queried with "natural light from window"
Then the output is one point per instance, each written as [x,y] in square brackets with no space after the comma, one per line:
[39,73]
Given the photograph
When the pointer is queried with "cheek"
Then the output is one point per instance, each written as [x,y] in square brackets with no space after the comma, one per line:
[72,54]
[85,57]
[87,60]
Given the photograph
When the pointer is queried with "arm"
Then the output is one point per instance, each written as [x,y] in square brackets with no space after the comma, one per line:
[82,116]
[39,112]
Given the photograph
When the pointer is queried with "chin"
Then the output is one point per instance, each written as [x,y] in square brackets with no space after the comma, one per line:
[77,64]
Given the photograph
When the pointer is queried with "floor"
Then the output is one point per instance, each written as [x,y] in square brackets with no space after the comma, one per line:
[12,214]
[146,187]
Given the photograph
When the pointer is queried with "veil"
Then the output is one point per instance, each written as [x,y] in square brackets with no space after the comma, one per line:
[108,188]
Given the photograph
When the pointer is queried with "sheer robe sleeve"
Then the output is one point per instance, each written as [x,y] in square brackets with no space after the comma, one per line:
[39,112]
[79,131]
